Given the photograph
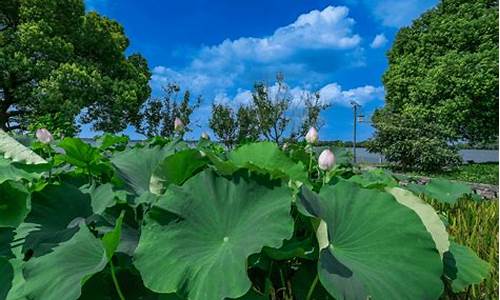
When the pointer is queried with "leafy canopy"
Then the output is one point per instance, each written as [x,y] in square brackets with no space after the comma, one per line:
[58,62]
[441,85]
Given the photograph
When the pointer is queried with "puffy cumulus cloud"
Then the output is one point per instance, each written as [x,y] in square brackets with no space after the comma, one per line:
[334,94]
[293,49]
[330,28]
[379,41]
[331,94]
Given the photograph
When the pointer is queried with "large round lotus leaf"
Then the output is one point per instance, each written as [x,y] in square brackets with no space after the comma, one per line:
[268,158]
[220,222]
[428,216]
[6,276]
[443,190]
[463,267]
[136,166]
[17,171]
[14,200]
[378,248]
[57,210]
[60,274]
[175,169]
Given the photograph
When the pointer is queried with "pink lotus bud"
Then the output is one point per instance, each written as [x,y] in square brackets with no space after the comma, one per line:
[312,136]
[326,160]
[178,125]
[205,136]
[44,136]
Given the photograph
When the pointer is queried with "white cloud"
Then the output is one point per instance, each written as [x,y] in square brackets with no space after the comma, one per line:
[326,29]
[379,41]
[331,93]
[327,33]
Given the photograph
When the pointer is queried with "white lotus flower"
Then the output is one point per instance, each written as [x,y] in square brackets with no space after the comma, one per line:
[326,160]
[178,125]
[44,136]
[312,136]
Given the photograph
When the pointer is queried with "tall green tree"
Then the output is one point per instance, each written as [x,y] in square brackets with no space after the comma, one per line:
[58,62]
[271,108]
[445,65]
[234,128]
[157,115]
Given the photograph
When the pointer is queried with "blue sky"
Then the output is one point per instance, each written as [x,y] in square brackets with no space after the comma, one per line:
[218,49]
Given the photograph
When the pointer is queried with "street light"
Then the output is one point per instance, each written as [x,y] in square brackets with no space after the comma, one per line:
[355,106]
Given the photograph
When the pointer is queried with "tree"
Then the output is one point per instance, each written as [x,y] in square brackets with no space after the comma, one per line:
[313,108]
[234,128]
[247,125]
[157,116]
[413,140]
[224,124]
[271,105]
[58,62]
[445,65]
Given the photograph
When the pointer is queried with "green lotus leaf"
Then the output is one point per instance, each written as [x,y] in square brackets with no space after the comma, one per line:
[111,239]
[427,215]
[372,245]
[16,151]
[443,190]
[16,171]
[60,274]
[78,152]
[217,223]
[14,201]
[6,277]
[101,197]
[377,179]
[175,169]
[110,141]
[268,158]
[136,166]
[463,267]
[56,212]
[6,237]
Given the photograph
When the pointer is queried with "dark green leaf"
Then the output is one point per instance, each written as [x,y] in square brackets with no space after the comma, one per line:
[215,233]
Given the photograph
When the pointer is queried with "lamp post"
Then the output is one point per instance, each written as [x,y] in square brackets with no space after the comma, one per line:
[355,107]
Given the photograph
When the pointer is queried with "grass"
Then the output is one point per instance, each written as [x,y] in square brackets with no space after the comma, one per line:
[475,224]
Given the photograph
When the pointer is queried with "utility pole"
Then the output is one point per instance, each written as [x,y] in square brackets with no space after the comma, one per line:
[355,106]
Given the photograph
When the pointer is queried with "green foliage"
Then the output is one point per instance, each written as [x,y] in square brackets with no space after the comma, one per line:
[350,261]
[475,225]
[441,85]
[267,116]
[160,220]
[157,115]
[463,267]
[58,61]
[66,274]
[412,141]
[233,129]
[476,172]
[12,149]
[217,219]
[442,190]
